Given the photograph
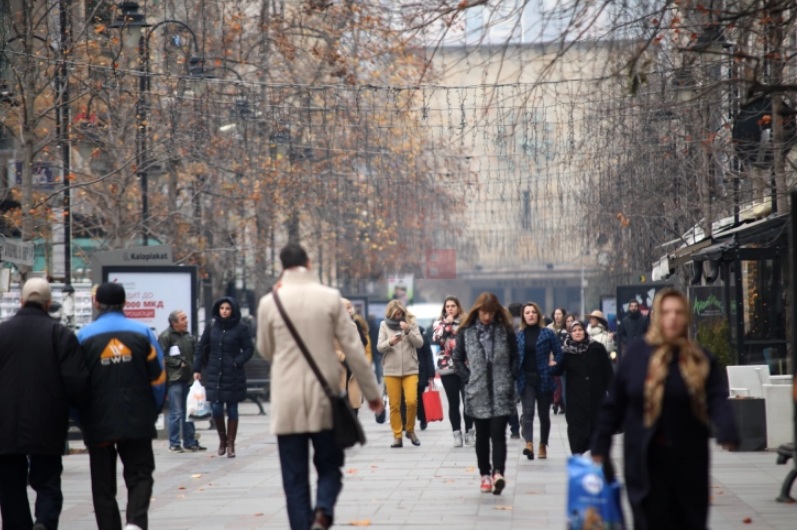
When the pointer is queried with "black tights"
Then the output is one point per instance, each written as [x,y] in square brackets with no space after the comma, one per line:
[454,388]
[491,430]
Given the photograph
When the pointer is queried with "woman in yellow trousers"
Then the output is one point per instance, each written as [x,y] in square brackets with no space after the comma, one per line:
[399,337]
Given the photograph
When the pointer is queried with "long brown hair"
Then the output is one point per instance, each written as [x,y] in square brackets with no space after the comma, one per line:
[454,299]
[489,302]
[536,306]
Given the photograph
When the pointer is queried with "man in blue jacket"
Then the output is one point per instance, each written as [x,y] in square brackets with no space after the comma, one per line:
[128,384]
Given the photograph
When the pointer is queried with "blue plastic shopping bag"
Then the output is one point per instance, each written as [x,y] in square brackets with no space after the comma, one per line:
[592,503]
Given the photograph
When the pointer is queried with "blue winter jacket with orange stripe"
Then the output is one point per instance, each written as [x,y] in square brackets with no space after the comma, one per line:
[127,380]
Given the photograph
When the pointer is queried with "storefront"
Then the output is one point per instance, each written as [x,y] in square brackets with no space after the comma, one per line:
[746,261]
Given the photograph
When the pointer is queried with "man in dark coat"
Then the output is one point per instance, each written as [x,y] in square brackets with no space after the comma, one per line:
[632,326]
[128,384]
[41,373]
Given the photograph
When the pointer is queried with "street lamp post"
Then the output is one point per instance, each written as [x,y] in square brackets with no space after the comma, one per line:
[132,22]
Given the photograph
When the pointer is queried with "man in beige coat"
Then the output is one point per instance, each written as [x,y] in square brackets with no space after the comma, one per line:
[300,411]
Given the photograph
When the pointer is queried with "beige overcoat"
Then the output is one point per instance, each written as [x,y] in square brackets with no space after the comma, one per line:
[298,403]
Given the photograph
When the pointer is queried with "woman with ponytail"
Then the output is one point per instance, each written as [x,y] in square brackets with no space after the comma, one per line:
[666,392]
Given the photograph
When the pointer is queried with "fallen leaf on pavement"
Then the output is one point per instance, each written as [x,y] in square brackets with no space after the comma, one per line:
[747,520]
[364,522]
[503,508]
[470,469]
[196,475]
[181,488]
[258,515]
[351,471]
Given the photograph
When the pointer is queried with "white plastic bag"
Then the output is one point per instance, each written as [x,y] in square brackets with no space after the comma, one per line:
[196,405]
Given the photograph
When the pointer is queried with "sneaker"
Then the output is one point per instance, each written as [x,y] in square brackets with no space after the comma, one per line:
[457,438]
[196,447]
[131,526]
[470,438]
[498,483]
[487,484]
[175,449]
[514,436]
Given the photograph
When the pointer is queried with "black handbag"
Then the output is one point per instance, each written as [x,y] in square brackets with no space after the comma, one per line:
[347,428]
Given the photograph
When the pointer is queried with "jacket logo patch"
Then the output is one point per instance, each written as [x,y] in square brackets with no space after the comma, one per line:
[115,352]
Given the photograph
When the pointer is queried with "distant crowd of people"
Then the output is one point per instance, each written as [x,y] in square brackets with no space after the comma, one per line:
[113,376]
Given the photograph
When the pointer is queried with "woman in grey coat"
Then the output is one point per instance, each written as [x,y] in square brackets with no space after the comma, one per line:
[486,358]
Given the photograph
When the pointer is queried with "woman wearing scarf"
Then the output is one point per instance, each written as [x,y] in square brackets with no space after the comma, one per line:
[589,373]
[399,338]
[665,392]
[486,358]
[445,335]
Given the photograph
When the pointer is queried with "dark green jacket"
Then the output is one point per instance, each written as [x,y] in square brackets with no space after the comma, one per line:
[178,367]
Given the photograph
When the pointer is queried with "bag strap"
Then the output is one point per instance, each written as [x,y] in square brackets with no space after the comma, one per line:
[299,342]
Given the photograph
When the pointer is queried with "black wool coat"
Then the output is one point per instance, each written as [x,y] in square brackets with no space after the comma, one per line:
[685,437]
[588,378]
[225,346]
[42,373]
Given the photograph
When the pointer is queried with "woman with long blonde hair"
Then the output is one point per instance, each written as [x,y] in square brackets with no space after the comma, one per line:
[486,358]
[399,339]
[666,392]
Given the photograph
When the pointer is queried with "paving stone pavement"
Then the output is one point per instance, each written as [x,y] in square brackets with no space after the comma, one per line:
[431,486]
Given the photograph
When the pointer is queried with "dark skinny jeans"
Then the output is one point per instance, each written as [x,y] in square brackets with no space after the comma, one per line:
[491,431]
[454,389]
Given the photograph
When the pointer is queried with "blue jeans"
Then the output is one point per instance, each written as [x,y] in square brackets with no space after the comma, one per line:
[178,393]
[217,409]
[328,461]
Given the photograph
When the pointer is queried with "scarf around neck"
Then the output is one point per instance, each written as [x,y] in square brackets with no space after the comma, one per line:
[395,325]
[485,334]
[575,348]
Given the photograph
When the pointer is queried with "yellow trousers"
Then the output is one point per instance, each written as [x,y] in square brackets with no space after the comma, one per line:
[407,384]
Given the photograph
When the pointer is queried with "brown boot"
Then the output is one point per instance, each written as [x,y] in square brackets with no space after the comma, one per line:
[529,450]
[232,431]
[543,453]
[222,430]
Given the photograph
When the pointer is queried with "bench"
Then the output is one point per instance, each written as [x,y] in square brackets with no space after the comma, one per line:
[258,381]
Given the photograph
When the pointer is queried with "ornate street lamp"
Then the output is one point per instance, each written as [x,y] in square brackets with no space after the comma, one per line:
[132,22]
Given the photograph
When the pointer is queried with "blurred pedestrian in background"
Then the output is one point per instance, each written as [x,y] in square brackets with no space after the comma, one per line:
[445,335]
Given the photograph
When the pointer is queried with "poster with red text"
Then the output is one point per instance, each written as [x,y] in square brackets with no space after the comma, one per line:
[154,292]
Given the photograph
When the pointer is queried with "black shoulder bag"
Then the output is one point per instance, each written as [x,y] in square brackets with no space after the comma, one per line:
[347,428]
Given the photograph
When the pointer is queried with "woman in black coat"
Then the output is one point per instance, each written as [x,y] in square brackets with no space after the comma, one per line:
[225,346]
[589,373]
[664,394]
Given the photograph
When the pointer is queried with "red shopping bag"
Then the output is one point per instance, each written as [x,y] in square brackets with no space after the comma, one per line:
[432,405]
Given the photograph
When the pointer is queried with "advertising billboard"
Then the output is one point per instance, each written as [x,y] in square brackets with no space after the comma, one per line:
[154,292]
